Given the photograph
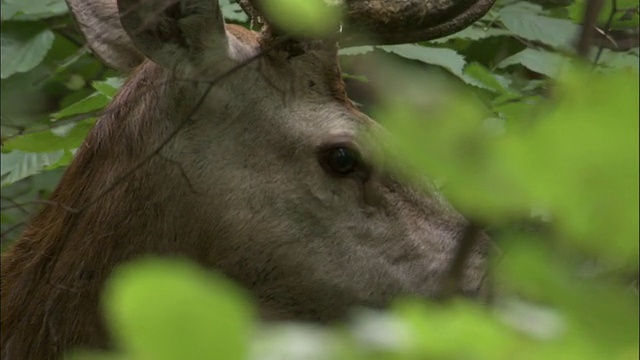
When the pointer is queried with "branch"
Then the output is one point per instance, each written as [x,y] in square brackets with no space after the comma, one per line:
[588,27]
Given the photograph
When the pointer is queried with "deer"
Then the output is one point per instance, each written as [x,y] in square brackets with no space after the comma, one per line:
[241,151]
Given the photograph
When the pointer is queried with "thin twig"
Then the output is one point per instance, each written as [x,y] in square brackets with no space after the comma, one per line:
[590,20]
[12,228]
[53,125]
[166,141]
[607,28]
[175,132]
[14,205]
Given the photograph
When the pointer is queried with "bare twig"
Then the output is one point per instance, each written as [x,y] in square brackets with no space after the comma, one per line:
[15,205]
[607,28]
[161,146]
[66,121]
[175,132]
[588,27]
[11,229]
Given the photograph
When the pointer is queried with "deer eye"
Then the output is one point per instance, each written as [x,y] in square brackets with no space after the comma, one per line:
[340,160]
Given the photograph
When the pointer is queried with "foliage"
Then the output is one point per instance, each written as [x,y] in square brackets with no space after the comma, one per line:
[519,130]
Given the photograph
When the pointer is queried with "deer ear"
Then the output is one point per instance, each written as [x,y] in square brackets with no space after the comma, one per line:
[99,22]
[170,32]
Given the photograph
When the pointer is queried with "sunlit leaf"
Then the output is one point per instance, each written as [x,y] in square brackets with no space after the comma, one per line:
[95,101]
[51,140]
[459,330]
[108,87]
[589,141]
[174,310]
[309,17]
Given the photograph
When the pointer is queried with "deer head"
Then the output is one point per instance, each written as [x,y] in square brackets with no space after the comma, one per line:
[242,152]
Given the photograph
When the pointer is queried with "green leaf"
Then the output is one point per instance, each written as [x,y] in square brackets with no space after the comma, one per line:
[51,140]
[589,141]
[473,33]
[108,87]
[95,101]
[620,60]
[540,61]
[71,59]
[24,46]
[163,309]
[484,78]
[232,11]
[32,9]
[522,22]
[455,332]
[18,165]
[514,108]
[603,319]
[361,78]
[445,58]
[307,18]
[449,60]
[65,160]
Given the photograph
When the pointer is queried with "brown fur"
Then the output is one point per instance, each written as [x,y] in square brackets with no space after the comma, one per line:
[238,189]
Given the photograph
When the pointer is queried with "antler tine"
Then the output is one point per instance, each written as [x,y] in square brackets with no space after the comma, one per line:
[388,22]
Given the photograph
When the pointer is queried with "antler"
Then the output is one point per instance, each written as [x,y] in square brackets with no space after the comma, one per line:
[407,21]
[99,22]
[401,21]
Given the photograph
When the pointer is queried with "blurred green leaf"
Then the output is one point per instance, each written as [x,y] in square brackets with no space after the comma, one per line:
[315,18]
[24,46]
[540,61]
[628,61]
[600,321]
[554,162]
[589,141]
[456,331]
[172,310]
[32,9]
